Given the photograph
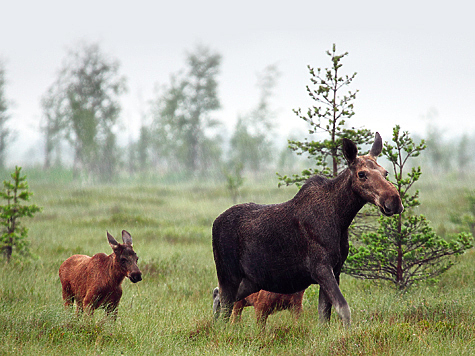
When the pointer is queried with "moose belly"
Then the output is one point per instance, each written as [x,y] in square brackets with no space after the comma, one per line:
[284,276]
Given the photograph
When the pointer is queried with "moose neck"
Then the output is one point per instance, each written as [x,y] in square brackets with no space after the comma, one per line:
[333,198]
[346,201]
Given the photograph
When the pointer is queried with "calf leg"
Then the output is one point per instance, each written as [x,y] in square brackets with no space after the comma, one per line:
[90,302]
[79,307]
[296,310]
[261,316]
[237,310]
[264,306]
[68,297]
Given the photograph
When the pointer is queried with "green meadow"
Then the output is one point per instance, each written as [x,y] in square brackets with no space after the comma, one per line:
[169,312]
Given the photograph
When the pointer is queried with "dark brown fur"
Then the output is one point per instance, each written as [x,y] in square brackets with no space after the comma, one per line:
[94,282]
[283,248]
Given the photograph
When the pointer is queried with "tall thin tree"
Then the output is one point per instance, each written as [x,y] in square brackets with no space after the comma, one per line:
[5,132]
[84,105]
[251,143]
[52,126]
[332,109]
[182,114]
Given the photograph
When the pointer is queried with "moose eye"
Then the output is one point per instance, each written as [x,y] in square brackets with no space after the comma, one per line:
[386,173]
[361,175]
[123,261]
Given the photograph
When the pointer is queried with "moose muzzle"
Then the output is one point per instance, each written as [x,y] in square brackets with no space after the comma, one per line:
[135,276]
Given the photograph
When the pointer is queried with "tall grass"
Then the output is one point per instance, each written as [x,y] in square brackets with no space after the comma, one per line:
[169,312]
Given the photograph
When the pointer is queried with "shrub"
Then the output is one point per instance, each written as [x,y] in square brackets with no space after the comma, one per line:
[14,235]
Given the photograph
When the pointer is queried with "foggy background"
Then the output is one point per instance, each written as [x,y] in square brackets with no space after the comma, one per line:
[415,60]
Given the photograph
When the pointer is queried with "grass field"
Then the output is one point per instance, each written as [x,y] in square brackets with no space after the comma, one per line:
[169,312]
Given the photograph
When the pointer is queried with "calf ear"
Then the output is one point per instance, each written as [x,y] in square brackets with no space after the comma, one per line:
[377,146]
[126,238]
[350,151]
[113,242]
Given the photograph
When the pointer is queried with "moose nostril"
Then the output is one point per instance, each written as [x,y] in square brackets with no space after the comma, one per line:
[393,206]
[135,277]
[388,207]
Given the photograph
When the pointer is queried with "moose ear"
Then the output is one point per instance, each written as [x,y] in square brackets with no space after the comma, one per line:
[113,242]
[126,238]
[377,146]
[350,151]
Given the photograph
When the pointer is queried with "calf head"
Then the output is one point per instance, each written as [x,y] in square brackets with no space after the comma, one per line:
[369,178]
[126,256]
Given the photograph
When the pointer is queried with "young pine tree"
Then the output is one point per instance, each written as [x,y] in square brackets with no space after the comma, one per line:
[329,119]
[13,235]
[333,108]
[234,179]
[404,249]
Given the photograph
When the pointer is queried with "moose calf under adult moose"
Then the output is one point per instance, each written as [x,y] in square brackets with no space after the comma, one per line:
[94,282]
[284,248]
[265,303]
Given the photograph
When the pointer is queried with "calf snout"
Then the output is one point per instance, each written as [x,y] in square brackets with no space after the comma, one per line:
[135,277]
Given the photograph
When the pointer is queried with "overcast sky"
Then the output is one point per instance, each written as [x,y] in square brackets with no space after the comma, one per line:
[415,59]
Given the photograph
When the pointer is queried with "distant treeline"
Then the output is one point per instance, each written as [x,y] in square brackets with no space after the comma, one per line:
[179,135]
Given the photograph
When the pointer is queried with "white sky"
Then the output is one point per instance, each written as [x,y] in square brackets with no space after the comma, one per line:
[412,57]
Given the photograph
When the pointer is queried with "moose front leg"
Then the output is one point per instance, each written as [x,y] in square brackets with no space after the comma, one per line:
[330,295]
[111,310]
[111,303]
[324,302]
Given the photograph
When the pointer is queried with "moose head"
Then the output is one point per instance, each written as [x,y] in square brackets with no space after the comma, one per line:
[125,256]
[369,178]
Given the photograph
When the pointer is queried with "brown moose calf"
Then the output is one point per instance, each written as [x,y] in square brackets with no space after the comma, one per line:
[95,282]
[265,303]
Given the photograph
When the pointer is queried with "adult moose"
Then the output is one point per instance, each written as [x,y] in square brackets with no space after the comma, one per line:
[95,281]
[283,248]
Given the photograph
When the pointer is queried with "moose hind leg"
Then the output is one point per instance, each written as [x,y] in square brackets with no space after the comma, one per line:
[224,305]
[246,288]
[229,294]
[68,301]
[68,295]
